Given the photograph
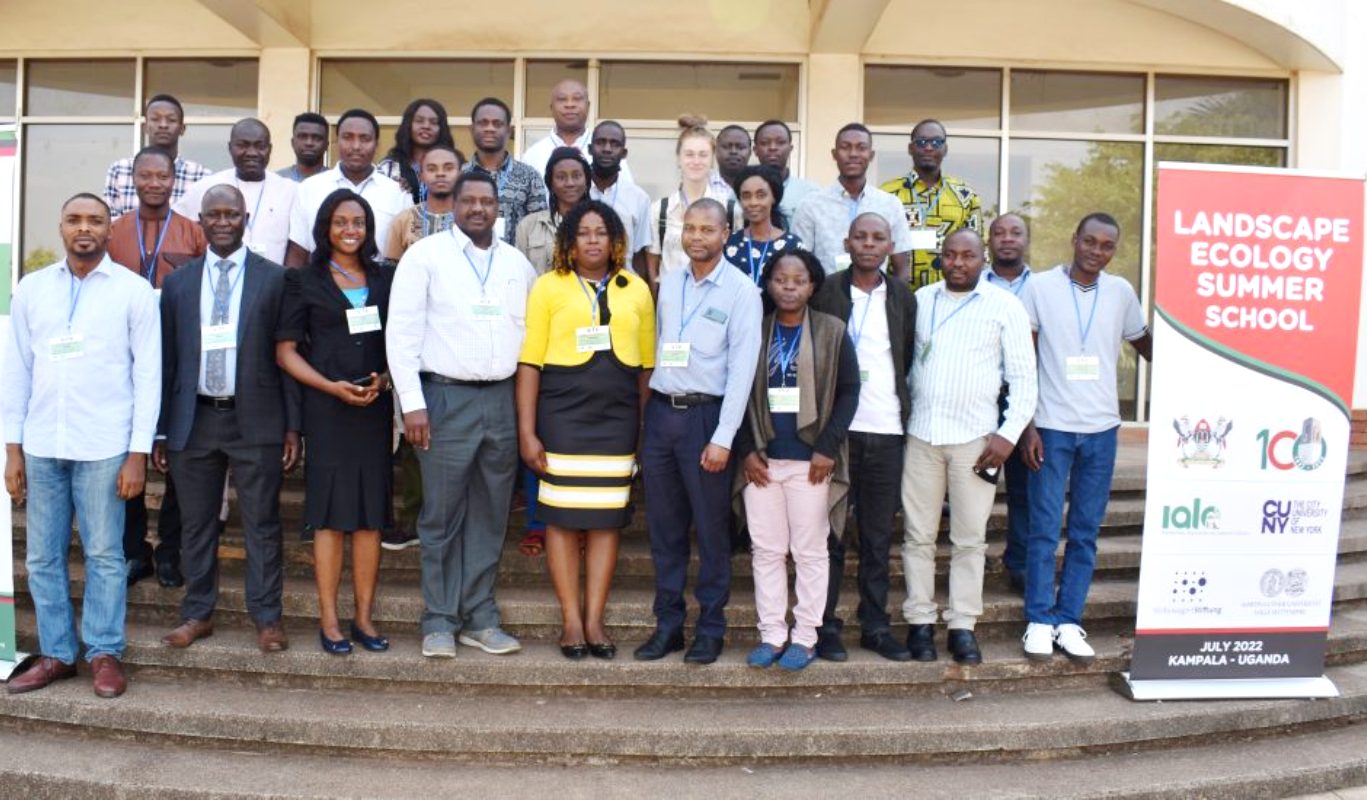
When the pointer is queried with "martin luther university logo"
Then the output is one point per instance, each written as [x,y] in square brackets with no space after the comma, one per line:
[1201,444]
[1286,450]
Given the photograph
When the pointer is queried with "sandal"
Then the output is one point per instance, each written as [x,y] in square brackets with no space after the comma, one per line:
[533,544]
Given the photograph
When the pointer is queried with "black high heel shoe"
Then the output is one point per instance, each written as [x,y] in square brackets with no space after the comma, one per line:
[375,644]
[604,650]
[575,651]
[337,647]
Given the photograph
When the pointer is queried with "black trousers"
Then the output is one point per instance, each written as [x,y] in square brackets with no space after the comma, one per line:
[215,444]
[135,544]
[875,492]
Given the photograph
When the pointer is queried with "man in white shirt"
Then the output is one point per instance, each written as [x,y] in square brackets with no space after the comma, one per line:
[774,147]
[270,198]
[80,393]
[570,108]
[458,313]
[823,220]
[357,135]
[611,184]
[971,337]
[1081,315]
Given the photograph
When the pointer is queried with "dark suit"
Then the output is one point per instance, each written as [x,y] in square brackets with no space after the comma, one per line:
[204,441]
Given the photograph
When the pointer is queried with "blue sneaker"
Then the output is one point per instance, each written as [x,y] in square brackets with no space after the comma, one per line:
[762,656]
[797,657]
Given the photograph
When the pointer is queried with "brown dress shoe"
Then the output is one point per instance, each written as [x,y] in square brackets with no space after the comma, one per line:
[271,637]
[109,678]
[44,671]
[188,632]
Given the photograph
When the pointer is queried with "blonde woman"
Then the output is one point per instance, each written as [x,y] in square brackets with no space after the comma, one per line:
[696,151]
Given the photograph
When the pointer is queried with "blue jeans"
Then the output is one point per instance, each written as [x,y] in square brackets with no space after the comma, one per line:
[55,488]
[1080,463]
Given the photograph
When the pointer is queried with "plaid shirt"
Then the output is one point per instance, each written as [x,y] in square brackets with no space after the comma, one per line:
[122,197]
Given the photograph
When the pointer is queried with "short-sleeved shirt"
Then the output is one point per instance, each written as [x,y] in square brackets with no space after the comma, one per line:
[122,196]
[668,243]
[385,197]
[950,206]
[521,191]
[412,225]
[1060,312]
[561,303]
[823,220]
[270,204]
[749,256]
[182,240]
[632,205]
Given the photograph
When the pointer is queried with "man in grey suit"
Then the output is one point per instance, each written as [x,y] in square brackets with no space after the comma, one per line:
[226,403]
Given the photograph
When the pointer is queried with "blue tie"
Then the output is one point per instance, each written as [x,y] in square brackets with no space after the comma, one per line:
[216,371]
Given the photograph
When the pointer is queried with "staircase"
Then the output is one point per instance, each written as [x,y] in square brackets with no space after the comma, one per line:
[222,720]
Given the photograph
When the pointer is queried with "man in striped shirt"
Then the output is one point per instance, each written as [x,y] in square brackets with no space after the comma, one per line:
[971,338]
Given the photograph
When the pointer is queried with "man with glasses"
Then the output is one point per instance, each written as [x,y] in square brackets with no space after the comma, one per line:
[936,204]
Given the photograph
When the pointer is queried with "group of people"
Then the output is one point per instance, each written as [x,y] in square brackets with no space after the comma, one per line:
[763,353]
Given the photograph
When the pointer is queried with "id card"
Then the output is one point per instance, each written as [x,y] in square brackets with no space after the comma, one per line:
[487,309]
[674,354]
[1083,368]
[65,348]
[863,376]
[924,239]
[784,400]
[592,338]
[363,320]
[218,337]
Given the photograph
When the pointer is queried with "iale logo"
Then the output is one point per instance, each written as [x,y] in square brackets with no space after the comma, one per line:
[1199,516]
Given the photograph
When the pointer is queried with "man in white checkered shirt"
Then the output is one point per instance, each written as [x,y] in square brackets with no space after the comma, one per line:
[163,126]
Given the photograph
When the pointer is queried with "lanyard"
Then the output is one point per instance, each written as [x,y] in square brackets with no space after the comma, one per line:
[149,264]
[683,304]
[251,221]
[594,301]
[756,268]
[1077,312]
[855,333]
[338,269]
[73,297]
[931,203]
[781,353]
[934,309]
[232,287]
[488,268]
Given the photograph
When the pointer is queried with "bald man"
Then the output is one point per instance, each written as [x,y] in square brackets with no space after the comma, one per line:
[570,109]
[269,198]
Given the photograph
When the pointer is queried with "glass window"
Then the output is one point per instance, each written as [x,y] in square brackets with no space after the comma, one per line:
[663,90]
[59,161]
[654,166]
[9,72]
[80,88]
[542,76]
[960,98]
[208,144]
[1211,106]
[974,160]
[223,87]
[1077,101]
[385,88]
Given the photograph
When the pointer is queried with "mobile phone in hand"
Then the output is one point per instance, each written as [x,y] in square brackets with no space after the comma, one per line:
[363,381]
[990,475]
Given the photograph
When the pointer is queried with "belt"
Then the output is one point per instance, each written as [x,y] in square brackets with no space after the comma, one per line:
[687,400]
[217,403]
[435,377]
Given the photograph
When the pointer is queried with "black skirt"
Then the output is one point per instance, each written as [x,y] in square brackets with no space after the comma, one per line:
[348,463]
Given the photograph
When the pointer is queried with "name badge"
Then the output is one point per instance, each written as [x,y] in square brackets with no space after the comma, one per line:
[863,376]
[363,320]
[924,239]
[500,227]
[784,400]
[1083,368]
[715,315]
[65,348]
[218,337]
[487,309]
[592,338]
[674,354]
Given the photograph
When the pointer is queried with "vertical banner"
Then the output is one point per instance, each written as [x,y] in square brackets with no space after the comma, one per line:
[9,655]
[1258,279]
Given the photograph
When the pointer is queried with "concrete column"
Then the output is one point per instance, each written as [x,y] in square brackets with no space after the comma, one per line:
[835,96]
[284,90]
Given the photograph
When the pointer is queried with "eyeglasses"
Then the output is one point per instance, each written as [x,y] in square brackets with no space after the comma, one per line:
[921,141]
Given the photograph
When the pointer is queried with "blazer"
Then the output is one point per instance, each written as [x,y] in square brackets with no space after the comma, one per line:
[834,299]
[268,400]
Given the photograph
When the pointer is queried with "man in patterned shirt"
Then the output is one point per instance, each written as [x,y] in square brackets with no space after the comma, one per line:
[164,125]
[936,204]
[521,191]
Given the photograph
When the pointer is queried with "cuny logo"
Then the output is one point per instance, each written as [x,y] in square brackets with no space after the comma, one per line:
[1202,443]
[1283,450]
[1294,516]
[1199,516]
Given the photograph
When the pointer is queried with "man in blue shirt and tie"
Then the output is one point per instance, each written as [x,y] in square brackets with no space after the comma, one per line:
[708,344]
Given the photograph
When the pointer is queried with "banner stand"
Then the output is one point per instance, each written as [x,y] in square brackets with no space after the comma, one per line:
[1236,689]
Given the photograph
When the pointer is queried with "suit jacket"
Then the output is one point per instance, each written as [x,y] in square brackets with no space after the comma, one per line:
[268,400]
[834,299]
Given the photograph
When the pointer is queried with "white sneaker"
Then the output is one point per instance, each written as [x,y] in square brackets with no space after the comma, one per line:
[1039,641]
[1072,640]
[439,645]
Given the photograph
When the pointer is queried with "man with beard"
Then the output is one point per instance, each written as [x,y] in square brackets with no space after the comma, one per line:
[163,127]
[309,141]
[521,190]
[611,184]
[440,168]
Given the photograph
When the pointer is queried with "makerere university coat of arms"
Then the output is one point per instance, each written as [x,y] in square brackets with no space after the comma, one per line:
[1202,445]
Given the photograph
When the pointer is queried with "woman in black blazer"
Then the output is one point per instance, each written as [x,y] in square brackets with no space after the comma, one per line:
[331,340]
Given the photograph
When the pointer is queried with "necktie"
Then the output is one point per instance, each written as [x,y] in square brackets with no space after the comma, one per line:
[216,371]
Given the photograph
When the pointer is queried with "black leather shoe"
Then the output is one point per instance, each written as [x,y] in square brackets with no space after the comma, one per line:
[138,569]
[921,642]
[604,650]
[963,645]
[705,650]
[168,575]
[574,652]
[829,647]
[660,644]
[886,645]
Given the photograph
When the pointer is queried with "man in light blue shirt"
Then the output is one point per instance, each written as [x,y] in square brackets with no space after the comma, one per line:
[80,393]
[708,343]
